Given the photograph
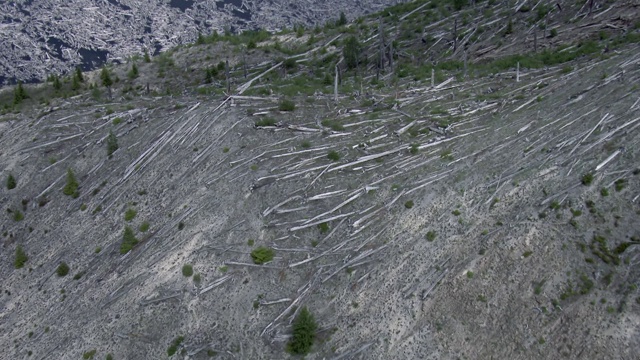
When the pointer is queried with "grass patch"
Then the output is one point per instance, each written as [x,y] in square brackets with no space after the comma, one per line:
[264,122]
[262,254]
[89,354]
[286,105]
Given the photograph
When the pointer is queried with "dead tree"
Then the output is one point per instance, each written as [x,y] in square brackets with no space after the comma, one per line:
[455,35]
[226,71]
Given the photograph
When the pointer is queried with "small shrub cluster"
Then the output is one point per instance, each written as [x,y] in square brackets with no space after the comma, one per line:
[173,347]
[187,270]
[262,254]
[21,258]
[129,240]
[63,269]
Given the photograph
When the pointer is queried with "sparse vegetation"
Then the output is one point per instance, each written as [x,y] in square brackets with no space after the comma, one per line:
[587,179]
[262,254]
[286,105]
[89,354]
[408,204]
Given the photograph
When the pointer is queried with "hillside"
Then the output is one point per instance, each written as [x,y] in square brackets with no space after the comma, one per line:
[471,191]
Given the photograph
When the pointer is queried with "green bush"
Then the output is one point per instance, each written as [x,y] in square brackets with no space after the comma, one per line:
[431,235]
[173,348]
[323,227]
[71,188]
[18,215]
[187,270]
[144,227]
[304,330]
[286,105]
[11,182]
[261,255]
[587,179]
[264,122]
[21,258]
[408,204]
[333,155]
[89,354]
[130,214]
[128,240]
[63,269]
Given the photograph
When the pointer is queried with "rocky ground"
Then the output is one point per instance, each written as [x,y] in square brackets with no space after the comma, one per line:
[512,234]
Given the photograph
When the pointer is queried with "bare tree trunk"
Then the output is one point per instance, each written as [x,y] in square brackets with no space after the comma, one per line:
[535,40]
[465,64]
[335,86]
[244,63]
[381,46]
[391,56]
[518,72]
[455,35]
[590,6]
[226,70]
[433,77]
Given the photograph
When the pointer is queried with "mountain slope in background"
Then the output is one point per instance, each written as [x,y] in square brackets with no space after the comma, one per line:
[39,38]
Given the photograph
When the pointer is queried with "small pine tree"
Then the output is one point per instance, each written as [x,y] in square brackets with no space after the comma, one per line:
[112,144]
[11,182]
[128,240]
[304,330]
[342,20]
[133,73]
[350,52]
[57,85]
[71,188]
[75,83]
[78,75]
[147,58]
[509,29]
[200,40]
[21,258]
[19,94]
[105,76]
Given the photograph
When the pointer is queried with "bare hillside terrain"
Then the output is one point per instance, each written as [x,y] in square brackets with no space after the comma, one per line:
[448,193]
